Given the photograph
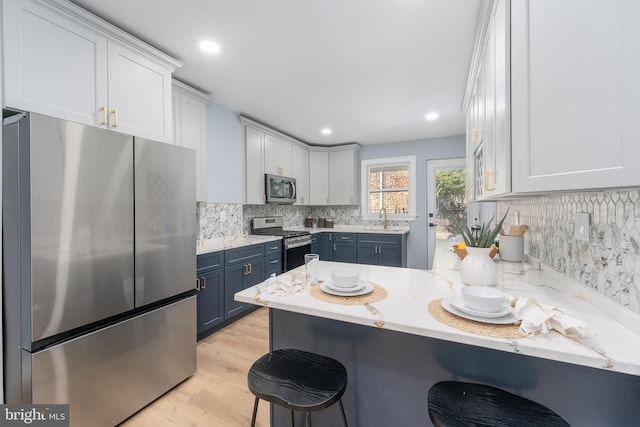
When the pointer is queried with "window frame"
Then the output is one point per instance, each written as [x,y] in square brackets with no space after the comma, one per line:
[366,165]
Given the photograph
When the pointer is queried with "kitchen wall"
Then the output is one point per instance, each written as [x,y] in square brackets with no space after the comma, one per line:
[610,261]
[429,149]
[224,155]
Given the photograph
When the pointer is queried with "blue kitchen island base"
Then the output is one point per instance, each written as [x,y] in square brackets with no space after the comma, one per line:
[390,374]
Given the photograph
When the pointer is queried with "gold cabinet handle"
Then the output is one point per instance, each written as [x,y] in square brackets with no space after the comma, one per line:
[198,284]
[204,283]
[474,135]
[375,249]
[250,268]
[487,177]
[273,248]
[334,247]
[246,269]
[104,115]
[275,261]
[115,118]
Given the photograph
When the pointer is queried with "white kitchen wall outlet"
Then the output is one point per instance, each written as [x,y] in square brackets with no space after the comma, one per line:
[582,224]
[223,216]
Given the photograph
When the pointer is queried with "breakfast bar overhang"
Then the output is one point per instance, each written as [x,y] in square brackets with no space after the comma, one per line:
[395,350]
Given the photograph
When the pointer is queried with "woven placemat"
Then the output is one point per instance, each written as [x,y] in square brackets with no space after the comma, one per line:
[378,294]
[486,329]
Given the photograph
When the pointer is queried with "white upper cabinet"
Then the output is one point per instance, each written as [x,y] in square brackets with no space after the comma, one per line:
[318,177]
[300,171]
[139,94]
[487,107]
[190,129]
[324,175]
[53,64]
[254,165]
[277,156]
[552,97]
[344,176]
[575,90]
[64,62]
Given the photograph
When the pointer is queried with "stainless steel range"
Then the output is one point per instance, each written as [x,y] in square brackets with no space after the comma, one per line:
[295,244]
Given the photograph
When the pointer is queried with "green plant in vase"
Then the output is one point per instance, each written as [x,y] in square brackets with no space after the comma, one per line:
[477,268]
[485,237]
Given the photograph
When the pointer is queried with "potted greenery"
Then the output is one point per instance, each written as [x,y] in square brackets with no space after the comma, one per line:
[477,268]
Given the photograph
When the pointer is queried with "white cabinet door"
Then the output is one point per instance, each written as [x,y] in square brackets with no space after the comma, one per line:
[254,166]
[271,155]
[277,156]
[343,176]
[53,65]
[300,171]
[501,178]
[139,94]
[285,156]
[190,130]
[575,90]
[318,178]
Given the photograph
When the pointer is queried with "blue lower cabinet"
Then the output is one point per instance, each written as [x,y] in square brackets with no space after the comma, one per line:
[315,243]
[273,264]
[210,299]
[345,247]
[210,290]
[382,249]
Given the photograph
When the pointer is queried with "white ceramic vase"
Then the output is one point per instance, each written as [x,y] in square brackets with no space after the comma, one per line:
[477,268]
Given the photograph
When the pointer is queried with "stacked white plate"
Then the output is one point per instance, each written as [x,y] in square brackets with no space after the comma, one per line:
[360,288]
[457,306]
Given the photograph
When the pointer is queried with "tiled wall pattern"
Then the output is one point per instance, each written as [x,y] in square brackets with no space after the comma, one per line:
[610,261]
[238,217]
[210,223]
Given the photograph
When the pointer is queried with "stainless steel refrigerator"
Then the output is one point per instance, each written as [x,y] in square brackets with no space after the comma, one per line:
[99,267]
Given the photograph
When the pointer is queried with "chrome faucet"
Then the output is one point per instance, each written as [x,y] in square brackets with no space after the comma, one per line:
[386,223]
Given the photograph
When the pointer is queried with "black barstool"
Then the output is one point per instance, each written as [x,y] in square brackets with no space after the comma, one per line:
[299,381]
[460,404]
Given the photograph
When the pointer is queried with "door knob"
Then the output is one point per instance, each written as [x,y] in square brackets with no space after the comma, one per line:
[433,224]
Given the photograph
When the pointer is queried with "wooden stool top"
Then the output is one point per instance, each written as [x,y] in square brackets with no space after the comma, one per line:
[459,404]
[297,379]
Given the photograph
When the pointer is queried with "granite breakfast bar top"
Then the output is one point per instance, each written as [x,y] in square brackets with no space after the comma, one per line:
[612,345]
[396,342]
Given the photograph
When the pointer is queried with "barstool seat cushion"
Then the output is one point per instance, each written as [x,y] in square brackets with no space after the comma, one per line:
[298,380]
[460,404]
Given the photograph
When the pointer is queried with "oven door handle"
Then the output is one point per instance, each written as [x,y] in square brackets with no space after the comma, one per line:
[297,245]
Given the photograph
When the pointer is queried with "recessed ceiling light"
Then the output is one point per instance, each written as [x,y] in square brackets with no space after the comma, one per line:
[326,131]
[209,46]
[431,116]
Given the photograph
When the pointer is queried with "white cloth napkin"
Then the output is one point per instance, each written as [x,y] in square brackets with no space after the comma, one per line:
[537,318]
[283,285]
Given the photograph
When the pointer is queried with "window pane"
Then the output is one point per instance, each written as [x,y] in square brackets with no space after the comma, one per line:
[386,177]
[393,201]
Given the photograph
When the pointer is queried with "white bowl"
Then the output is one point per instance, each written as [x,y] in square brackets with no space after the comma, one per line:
[345,278]
[482,298]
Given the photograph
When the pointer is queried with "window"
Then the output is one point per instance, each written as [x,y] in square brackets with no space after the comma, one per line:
[389,183]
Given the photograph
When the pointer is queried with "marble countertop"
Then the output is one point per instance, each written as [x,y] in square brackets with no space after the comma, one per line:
[373,229]
[613,344]
[222,243]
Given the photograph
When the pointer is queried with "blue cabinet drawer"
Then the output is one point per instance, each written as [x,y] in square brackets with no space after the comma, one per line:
[244,255]
[273,264]
[210,261]
[274,247]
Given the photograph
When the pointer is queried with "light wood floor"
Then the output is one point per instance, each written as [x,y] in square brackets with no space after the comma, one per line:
[216,395]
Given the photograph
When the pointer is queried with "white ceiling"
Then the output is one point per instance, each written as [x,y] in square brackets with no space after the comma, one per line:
[368,69]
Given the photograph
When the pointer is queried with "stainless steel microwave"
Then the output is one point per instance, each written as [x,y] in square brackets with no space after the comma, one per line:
[280,189]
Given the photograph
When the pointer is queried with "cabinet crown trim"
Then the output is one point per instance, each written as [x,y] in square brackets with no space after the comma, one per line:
[109,30]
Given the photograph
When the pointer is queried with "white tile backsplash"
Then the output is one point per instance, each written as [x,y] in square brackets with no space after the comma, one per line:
[610,261]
